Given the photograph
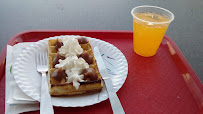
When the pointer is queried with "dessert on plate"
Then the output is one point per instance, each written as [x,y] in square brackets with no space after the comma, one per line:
[72,67]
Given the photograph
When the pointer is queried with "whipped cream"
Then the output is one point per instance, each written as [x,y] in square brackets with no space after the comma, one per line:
[72,65]
[70,47]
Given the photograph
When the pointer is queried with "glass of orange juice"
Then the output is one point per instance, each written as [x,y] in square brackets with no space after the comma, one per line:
[149,26]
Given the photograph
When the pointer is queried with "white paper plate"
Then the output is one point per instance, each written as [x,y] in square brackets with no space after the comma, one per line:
[29,80]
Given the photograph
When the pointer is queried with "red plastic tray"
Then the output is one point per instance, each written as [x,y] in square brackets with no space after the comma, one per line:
[164,83]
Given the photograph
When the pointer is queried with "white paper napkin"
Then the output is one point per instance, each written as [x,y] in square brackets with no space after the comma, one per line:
[16,100]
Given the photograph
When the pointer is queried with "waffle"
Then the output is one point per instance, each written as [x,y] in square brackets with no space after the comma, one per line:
[61,87]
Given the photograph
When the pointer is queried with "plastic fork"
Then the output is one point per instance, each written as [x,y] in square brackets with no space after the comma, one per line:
[42,67]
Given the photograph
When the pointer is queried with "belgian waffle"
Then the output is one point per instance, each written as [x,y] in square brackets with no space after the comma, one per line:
[61,87]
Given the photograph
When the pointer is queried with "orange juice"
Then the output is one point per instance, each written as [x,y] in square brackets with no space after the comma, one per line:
[148,34]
